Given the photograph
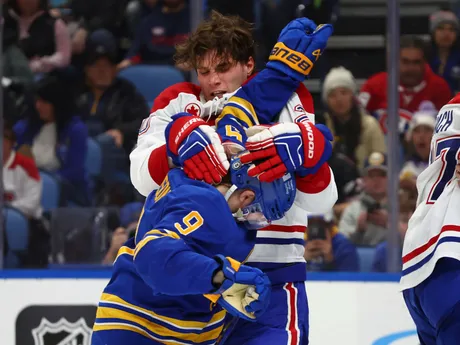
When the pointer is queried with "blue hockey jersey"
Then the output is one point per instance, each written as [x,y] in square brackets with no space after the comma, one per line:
[160,275]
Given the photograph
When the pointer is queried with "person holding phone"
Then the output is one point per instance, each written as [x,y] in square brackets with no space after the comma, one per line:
[326,249]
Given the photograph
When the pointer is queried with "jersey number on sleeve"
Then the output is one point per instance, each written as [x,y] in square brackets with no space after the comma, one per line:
[190,223]
[447,150]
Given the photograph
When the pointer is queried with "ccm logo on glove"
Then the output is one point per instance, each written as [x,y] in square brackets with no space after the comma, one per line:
[295,60]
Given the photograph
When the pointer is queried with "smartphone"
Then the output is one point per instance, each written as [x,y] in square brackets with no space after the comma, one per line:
[317,228]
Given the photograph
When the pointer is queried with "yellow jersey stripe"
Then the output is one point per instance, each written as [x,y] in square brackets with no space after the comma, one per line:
[163,233]
[200,325]
[152,235]
[124,250]
[125,327]
[246,105]
[112,313]
[237,113]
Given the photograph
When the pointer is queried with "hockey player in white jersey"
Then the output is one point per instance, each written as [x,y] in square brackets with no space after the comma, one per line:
[431,253]
[179,131]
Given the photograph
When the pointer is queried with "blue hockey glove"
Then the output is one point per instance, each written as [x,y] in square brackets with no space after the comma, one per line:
[245,292]
[195,146]
[287,147]
[299,46]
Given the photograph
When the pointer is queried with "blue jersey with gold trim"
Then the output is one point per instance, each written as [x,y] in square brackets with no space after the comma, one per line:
[160,276]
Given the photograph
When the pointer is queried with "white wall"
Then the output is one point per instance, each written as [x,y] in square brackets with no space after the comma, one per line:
[346,313]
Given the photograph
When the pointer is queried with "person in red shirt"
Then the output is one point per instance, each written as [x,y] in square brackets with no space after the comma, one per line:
[419,87]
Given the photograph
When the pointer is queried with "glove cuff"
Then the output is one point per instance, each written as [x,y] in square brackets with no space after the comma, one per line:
[294,60]
[313,143]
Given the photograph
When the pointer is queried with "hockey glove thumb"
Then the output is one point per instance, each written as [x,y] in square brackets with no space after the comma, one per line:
[245,291]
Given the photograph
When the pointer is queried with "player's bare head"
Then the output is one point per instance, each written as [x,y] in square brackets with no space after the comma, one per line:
[221,50]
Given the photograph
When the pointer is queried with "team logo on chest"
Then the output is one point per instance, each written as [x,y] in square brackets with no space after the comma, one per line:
[193,108]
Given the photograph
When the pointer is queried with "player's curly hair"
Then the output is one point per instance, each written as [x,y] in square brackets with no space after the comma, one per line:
[230,36]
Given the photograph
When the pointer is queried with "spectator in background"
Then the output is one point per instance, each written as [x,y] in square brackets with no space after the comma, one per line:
[407,203]
[92,15]
[364,221]
[129,217]
[21,179]
[57,138]
[158,34]
[356,134]
[44,39]
[136,11]
[347,179]
[419,136]
[326,249]
[419,86]
[445,53]
[14,62]
[110,106]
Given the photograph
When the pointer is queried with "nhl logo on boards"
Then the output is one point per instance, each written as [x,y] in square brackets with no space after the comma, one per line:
[55,325]
[62,332]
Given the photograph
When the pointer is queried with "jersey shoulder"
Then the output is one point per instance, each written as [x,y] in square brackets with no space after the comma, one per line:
[182,191]
[172,92]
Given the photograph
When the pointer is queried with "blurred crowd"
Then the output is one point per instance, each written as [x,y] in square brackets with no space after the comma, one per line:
[64,95]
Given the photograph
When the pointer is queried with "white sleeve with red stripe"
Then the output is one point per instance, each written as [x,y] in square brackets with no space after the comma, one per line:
[149,162]
[315,193]
[29,193]
[22,185]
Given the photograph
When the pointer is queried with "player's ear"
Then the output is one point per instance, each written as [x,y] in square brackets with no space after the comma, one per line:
[246,197]
[249,66]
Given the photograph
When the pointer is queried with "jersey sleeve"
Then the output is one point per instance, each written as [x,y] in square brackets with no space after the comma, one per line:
[167,257]
[258,101]
[149,161]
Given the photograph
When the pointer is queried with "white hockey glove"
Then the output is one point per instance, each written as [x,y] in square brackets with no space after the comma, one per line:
[245,291]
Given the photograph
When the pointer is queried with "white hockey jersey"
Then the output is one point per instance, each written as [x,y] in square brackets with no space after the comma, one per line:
[283,241]
[434,229]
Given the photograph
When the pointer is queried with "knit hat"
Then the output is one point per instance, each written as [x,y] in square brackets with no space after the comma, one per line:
[443,17]
[338,77]
[421,118]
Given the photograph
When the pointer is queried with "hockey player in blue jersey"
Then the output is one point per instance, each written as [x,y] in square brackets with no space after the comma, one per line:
[188,245]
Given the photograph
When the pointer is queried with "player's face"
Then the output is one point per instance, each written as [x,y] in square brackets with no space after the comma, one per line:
[340,101]
[375,182]
[445,35]
[218,75]
[412,66]
[421,138]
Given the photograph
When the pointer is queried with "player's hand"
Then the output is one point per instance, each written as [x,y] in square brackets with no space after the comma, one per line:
[287,147]
[245,291]
[195,146]
[299,46]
